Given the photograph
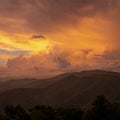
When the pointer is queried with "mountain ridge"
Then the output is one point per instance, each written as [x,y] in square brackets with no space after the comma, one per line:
[77,88]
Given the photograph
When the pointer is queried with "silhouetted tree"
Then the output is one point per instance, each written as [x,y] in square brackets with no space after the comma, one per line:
[3,117]
[43,113]
[16,113]
[102,109]
[70,113]
[114,113]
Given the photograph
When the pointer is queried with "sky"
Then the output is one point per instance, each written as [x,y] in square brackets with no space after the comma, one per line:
[40,38]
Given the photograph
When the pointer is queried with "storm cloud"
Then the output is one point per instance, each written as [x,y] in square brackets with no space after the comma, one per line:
[59,35]
[48,15]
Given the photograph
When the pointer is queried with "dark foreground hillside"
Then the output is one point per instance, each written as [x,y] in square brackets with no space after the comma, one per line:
[79,88]
[100,109]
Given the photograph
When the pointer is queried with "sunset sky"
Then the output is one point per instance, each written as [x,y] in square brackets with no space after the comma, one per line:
[47,37]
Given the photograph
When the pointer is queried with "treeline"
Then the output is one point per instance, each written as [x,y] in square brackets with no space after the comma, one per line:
[101,109]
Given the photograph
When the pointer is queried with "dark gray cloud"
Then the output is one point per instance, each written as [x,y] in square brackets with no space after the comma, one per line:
[62,62]
[47,15]
[38,37]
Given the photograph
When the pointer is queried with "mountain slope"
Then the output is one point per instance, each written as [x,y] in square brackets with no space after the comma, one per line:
[78,88]
[26,83]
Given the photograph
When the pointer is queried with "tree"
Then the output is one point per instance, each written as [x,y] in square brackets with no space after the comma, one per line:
[43,113]
[70,113]
[16,113]
[2,117]
[102,109]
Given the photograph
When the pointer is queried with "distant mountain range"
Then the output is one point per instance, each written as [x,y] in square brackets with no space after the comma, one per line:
[78,88]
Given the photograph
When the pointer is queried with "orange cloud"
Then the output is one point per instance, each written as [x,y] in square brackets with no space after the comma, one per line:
[61,36]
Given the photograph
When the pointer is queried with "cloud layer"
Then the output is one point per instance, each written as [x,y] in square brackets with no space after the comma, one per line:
[48,15]
[57,36]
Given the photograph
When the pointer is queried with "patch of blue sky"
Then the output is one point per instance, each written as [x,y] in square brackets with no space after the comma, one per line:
[14,53]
